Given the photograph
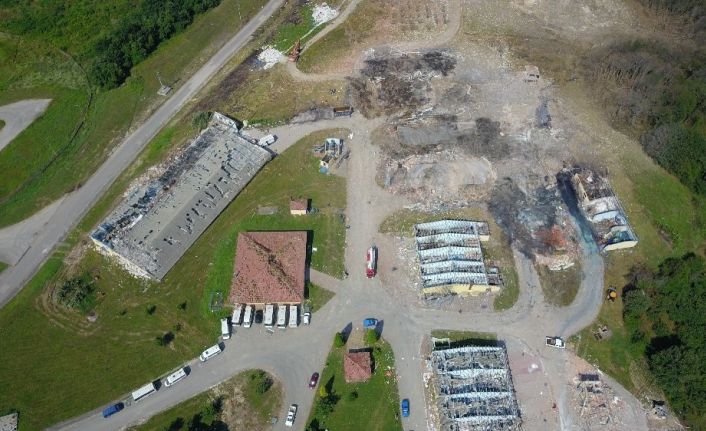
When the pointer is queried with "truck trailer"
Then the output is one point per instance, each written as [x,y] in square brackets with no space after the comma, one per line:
[282,316]
[293,316]
[269,315]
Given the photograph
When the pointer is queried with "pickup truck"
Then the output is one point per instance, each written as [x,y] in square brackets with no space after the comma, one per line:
[555,342]
[291,414]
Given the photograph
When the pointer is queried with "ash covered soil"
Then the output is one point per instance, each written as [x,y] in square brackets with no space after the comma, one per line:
[466,125]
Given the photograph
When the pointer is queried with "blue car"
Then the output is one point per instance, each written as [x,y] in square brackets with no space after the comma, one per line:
[370,323]
[405,408]
[111,410]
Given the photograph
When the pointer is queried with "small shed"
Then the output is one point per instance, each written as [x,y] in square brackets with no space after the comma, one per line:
[298,206]
[357,366]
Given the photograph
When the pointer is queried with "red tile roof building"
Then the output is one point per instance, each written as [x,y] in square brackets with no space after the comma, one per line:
[298,206]
[357,366]
[269,268]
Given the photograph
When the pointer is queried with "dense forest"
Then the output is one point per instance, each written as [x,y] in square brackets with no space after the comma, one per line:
[657,88]
[665,312]
[107,38]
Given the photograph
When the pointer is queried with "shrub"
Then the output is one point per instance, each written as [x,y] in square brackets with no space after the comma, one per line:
[338,340]
[77,293]
[371,337]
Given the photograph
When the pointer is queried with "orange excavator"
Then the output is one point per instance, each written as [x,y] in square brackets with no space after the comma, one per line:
[296,51]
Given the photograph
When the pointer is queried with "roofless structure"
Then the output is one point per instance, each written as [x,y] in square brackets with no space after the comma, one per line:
[451,259]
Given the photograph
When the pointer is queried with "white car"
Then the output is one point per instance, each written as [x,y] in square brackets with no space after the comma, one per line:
[555,342]
[267,140]
[306,318]
[290,415]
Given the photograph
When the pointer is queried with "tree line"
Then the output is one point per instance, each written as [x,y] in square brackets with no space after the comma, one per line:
[138,34]
[665,313]
[658,89]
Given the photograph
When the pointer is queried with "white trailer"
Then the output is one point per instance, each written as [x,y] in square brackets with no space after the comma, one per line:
[143,392]
[282,316]
[238,315]
[225,328]
[247,318]
[269,315]
[293,315]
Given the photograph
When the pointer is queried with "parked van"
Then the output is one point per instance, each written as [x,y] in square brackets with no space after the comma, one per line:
[225,328]
[111,410]
[210,352]
[247,318]
[175,377]
[282,316]
[293,316]
[144,392]
[237,315]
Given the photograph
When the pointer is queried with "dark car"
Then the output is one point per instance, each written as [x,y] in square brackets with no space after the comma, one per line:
[258,316]
[405,408]
[314,380]
[111,410]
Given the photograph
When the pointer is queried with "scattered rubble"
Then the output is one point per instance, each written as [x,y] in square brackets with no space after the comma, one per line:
[269,57]
[323,13]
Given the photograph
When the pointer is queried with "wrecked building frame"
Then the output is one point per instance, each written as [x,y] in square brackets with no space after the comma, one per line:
[451,259]
[474,389]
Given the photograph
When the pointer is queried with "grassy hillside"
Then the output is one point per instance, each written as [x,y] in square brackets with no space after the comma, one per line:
[93,363]
[58,151]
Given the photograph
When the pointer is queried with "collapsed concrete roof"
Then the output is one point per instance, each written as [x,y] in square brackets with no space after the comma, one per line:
[269,268]
[158,221]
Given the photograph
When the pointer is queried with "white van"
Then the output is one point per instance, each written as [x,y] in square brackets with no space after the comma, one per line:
[143,392]
[175,377]
[237,315]
[225,328]
[293,315]
[282,316]
[247,319]
[210,352]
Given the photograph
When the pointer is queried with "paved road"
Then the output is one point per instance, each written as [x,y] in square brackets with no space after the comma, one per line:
[17,116]
[77,204]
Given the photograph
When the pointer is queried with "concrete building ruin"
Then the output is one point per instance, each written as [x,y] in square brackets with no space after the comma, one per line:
[474,389]
[451,259]
[602,209]
[158,221]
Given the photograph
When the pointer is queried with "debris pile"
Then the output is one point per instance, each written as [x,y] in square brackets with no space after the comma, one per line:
[331,154]
[323,13]
[596,404]
[268,57]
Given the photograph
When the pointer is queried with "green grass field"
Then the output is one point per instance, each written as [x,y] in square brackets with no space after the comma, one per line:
[560,287]
[123,338]
[63,147]
[236,403]
[317,296]
[496,252]
[377,404]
